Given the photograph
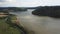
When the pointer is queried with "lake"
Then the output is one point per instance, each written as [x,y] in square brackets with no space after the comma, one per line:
[38,24]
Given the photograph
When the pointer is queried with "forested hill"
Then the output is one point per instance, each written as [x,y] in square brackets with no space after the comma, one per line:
[53,11]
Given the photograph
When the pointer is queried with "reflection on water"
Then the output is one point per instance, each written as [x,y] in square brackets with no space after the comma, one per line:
[38,24]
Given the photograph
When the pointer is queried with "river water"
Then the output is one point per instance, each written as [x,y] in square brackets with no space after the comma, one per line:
[38,24]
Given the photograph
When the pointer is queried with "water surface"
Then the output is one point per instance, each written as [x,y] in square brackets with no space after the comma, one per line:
[38,24]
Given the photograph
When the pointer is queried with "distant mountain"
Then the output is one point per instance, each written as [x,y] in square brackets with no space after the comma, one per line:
[31,7]
[13,8]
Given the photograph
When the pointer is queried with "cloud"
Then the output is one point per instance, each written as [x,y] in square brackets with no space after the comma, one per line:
[39,3]
[50,2]
[28,3]
[8,3]
[7,0]
[2,0]
[19,3]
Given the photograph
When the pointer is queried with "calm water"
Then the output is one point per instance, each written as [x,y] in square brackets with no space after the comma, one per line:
[38,24]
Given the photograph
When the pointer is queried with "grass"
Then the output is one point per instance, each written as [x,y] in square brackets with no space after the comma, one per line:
[7,29]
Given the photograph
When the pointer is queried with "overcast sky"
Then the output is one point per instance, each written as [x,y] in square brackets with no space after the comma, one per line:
[28,3]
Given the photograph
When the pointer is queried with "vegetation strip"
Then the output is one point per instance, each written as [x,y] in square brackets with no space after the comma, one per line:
[16,26]
[20,28]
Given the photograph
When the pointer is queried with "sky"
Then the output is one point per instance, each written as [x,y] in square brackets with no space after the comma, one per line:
[28,3]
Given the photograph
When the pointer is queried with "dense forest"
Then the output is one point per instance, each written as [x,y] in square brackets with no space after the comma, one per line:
[52,11]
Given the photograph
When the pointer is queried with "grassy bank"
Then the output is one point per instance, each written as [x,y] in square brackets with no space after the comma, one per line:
[7,29]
